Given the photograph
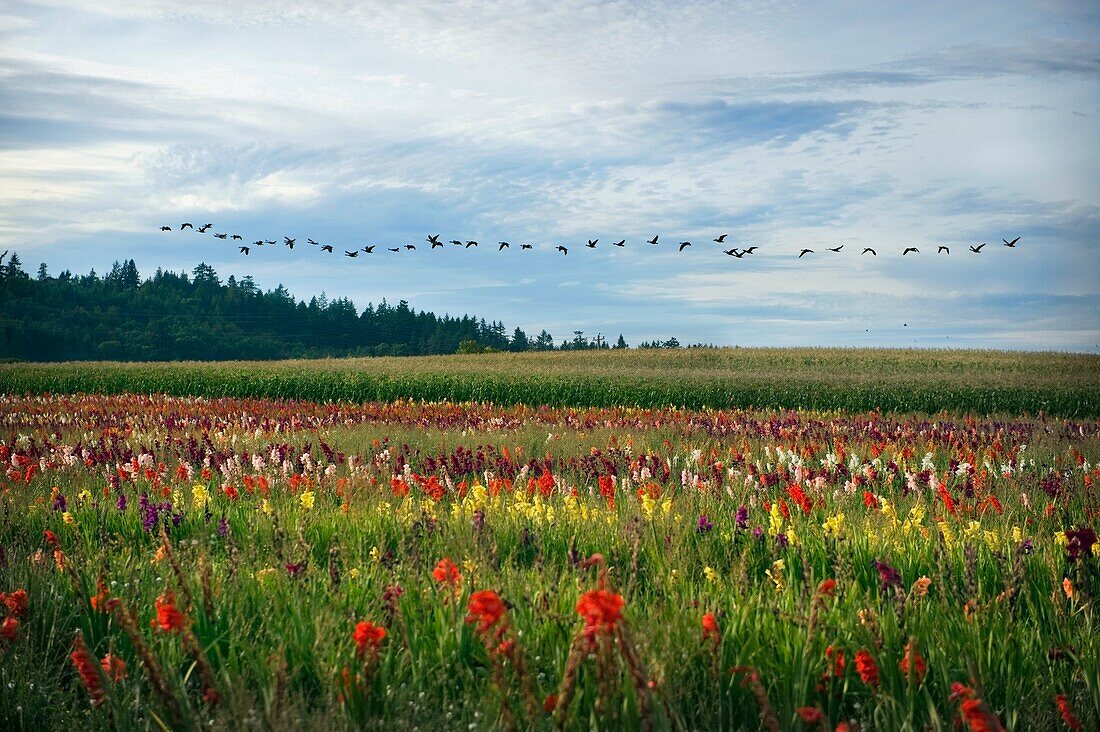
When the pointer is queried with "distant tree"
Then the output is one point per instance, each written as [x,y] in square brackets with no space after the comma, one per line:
[13,270]
[519,341]
[672,343]
[579,341]
[469,346]
[43,274]
[544,342]
[621,343]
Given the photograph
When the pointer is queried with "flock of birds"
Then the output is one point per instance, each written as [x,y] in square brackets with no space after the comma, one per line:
[436,242]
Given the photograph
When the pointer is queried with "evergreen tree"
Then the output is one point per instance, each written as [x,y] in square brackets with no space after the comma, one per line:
[621,343]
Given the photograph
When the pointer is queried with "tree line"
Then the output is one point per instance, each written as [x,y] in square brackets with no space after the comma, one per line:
[175,316]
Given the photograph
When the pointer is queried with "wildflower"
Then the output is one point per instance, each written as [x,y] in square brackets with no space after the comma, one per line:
[712,575]
[265,574]
[835,656]
[199,496]
[486,608]
[114,668]
[1066,712]
[67,517]
[354,573]
[703,525]
[169,619]
[810,715]
[601,610]
[9,629]
[16,602]
[549,703]
[920,587]
[975,711]
[888,575]
[446,573]
[121,504]
[775,574]
[827,588]
[89,670]
[1067,587]
[867,668]
[367,635]
[1079,542]
[913,661]
[711,631]
[834,527]
[294,569]
[742,518]
[307,500]
[51,538]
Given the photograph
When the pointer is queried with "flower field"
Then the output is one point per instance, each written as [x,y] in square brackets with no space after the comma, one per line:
[172,562]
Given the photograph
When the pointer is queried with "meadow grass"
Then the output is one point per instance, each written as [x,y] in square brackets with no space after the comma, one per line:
[983,382]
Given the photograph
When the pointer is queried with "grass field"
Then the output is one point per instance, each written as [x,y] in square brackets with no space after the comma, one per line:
[194,563]
[982,382]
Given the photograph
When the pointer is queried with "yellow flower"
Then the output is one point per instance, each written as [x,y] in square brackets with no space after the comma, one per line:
[307,500]
[1060,539]
[375,554]
[353,573]
[648,504]
[84,496]
[1018,535]
[711,575]
[199,496]
[265,574]
[776,574]
[834,527]
[68,518]
[469,565]
[265,506]
[775,520]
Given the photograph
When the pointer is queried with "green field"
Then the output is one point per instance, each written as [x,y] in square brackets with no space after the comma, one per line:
[984,382]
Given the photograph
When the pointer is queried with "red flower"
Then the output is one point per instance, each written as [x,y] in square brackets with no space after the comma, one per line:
[169,618]
[51,538]
[368,635]
[836,656]
[486,608]
[113,667]
[9,629]
[913,659]
[88,668]
[1067,713]
[827,588]
[446,573]
[607,489]
[711,631]
[601,610]
[16,602]
[549,703]
[867,668]
[810,715]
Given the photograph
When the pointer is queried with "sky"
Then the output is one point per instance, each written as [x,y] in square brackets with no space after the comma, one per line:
[786,125]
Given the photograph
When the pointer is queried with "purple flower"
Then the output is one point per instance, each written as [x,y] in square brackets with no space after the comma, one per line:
[1028,547]
[742,518]
[121,505]
[888,575]
[59,503]
[782,541]
[223,527]
[703,525]
[757,532]
[1079,542]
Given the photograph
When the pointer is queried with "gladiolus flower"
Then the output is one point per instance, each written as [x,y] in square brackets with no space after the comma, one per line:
[711,631]
[601,610]
[912,659]
[486,608]
[827,588]
[9,629]
[867,668]
[307,500]
[368,635]
[446,573]
[549,703]
[16,602]
[169,619]
[920,587]
[810,715]
[51,538]
[1066,711]
[113,667]
[88,668]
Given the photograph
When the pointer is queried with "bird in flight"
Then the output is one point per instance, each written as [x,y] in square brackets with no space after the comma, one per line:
[351,254]
[395,250]
[721,239]
[204,227]
[591,243]
[734,253]
[258,243]
[410,247]
[977,249]
[370,249]
[620,243]
[835,249]
[869,249]
[804,252]
[166,228]
[525,246]
[433,239]
[471,244]
[1011,243]
[288,241]
[238,237]
[503,245]
[436,243]
[653,240]
[220,236]
[328,248]
[314,243]
[269,241]
[563,250]
[943,250]
[684,244]
[910,249]
[456,242]
[186,225]
[751,249]
[244,250]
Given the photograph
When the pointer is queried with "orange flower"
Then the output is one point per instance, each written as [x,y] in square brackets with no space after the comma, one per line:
[913,659]
[51,538]
[1067,713]
[867,668]
[827,588]
[88,668]
[711,631]
[368,635]
[836,656]
[169,618]
[113,667]
[486,608]
[9,629]
[16,602]
[446,573]
[99,600]
[601,610]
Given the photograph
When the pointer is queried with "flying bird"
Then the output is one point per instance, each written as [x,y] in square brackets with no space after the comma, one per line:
[288,241]
[314,243]
[328,248]
[869,249]
[620,243]
[220,236]
[237,237]
[370,249]
[351,254]
[525,246]
[270,241]
[734,253]
[684,245]
[653,240]
[503,245]
[166,228]
[433,239]
[409,247]
[977,249]
[244,249]
[398,249]
[204,227]
[721,239]
[456,242]
[751,249]
[591,243]
[943,250]
[910,249]
[471,244]
[805,251]
[435,243]
[258,243]
[186,225]
[1011,243]
[835,249]
[563,250]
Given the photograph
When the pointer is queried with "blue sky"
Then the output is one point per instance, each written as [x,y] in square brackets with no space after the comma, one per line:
[784,124]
